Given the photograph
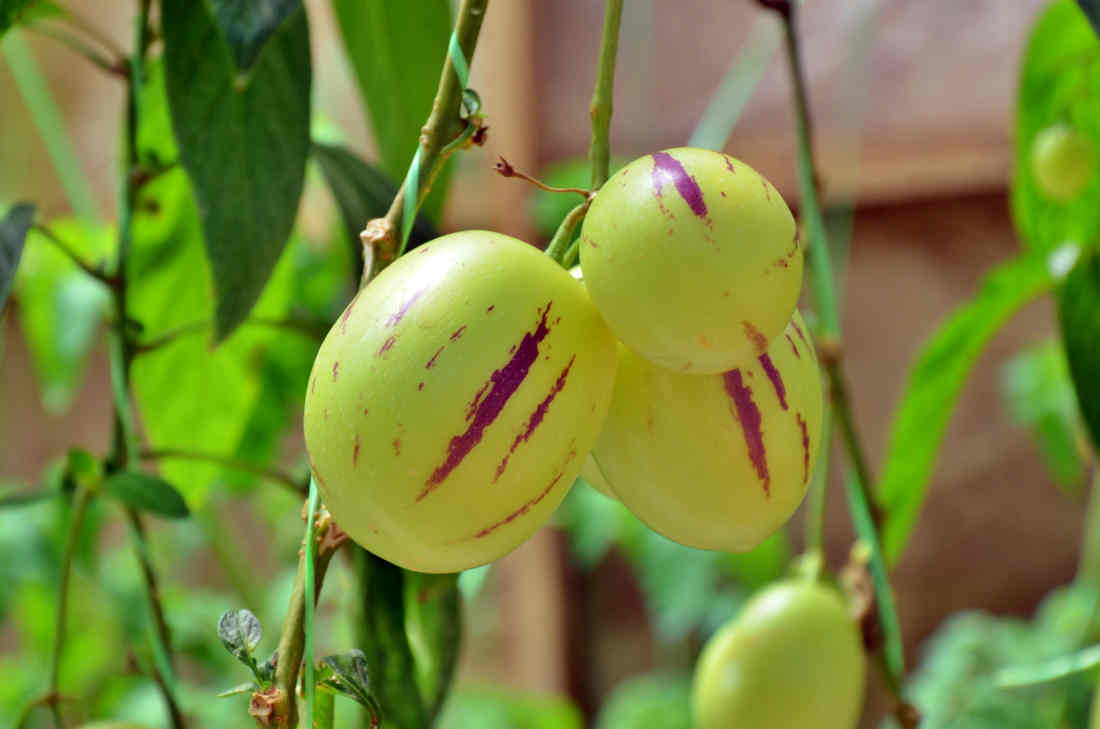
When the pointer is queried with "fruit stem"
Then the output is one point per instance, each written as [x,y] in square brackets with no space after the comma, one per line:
[559,245]
[381,238]
[271,474]
[600,111]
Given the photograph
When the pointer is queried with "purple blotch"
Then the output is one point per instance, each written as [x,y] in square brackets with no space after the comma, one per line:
[749,416]
[777,380]
[536,417]
[386,345]
[501,386]
[667,168]
[520,511]
[798,330]
[346,314]
[398,315]
[805,448]
[355,452]
[794,347]
[335,370]
[458,332]
[431,362]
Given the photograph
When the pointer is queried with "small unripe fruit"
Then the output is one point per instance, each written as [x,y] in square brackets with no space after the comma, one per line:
[1063,160]
[692,258]
[791,659]
[715,461]
[451,406]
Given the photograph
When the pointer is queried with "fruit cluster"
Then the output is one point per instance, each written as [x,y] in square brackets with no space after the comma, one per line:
[457,398]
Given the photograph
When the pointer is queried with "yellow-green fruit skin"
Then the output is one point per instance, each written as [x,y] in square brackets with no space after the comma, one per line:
[594,477]
[692,258]
[791,659]
[452,404]
[715,461]
[1063,161]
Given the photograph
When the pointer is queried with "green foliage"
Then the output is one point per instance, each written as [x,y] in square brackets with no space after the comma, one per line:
[1058,82]
[61,309]
[247,26]
[1039,395]
[13,234]
[396,49]
[933,386]
[486,708]
[1079,317]
[956,683]
[651,701]
[347,674]
[16,12]
[147,493]
[243,139]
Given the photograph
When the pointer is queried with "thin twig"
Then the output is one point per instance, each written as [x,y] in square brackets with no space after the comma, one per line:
[559,245]
[93,271]
[116,67]
[505,169]
[445,124]
[271,474]
[601,108]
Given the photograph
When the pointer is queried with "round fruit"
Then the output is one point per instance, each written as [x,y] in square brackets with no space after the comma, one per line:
[692,258]
[715,461]
[451,405]
[594,477]
[791,659]
[1063,161]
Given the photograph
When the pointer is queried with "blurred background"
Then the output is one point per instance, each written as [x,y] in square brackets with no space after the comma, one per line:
[913,107]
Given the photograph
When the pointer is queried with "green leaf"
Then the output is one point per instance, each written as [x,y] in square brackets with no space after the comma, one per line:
[13,234]
[248,24]
[1039,395]
[148,493]
[362,192]
[396,49]
[17,12]
[1091,8]
[489,708]
[1079,318]
[61,308]
[433,626]
[243,139]
[347,674]
[234,400]
[933,386]
[240,632]
[241,688]
[649,701]
[380,633]
[1059,80]
[1052,670]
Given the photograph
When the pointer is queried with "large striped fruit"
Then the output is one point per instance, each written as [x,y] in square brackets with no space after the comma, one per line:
[715,461]
[451,406]
[791,659]
[692,258]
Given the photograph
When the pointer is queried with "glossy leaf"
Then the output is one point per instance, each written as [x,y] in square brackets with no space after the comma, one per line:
[362,192]
[347,674]
[62,309]
[248,24]
[147,493]
[243,139]
[396,50]
[933,386]
[1079,317]
[13,234]
[1059,80]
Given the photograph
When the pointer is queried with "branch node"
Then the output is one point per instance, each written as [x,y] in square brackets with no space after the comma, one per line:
[379,238]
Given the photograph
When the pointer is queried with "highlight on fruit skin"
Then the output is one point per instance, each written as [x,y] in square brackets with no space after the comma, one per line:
[451,406]
[791,659]
[715,461]
[1063,160]
[692,258]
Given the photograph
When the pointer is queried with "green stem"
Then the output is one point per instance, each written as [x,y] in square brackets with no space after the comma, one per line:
[444,125]
[1088,569]
[560,244]
[292,640]
[80,508]
[47,117]
[600,111]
